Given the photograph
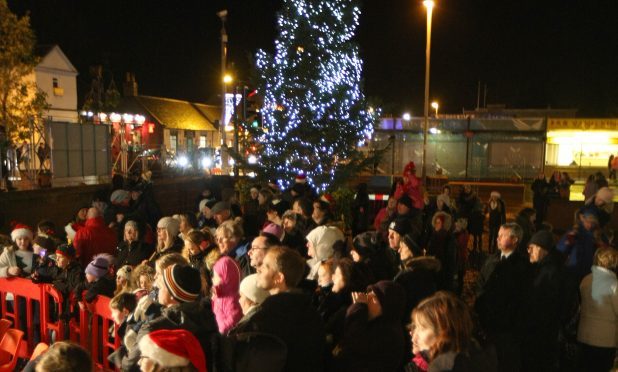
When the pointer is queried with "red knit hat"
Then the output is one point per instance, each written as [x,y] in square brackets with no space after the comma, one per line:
[173,348]
[20,230]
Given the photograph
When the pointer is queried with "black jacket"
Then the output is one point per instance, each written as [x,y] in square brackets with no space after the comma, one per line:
[176,247]
[290,317]
[132,254]
[371,345]
[500,293]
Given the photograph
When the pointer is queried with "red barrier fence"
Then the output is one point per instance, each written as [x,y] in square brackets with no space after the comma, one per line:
[40,306]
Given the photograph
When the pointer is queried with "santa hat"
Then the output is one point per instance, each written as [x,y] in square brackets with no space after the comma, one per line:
[328,198]
[300,178]
[21,231]
[173,348]
[605,195]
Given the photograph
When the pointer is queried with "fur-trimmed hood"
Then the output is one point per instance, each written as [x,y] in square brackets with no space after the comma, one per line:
[448,220]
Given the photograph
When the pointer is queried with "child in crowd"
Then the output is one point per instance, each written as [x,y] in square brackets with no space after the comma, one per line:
[98,279]
[143,276]
[65,356]
[325,285]
[226,281]
[122,307]
[124,280]
[18,259]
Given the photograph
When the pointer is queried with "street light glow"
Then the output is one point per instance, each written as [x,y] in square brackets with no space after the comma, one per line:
[428,4]
[407,116]
[227,78]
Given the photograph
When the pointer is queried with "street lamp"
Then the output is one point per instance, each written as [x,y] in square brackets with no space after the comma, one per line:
[429,4]
[407,116]
[435,106]
[223,16]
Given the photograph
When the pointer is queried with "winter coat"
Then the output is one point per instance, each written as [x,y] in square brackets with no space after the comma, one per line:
[578,246]
[500,293]
[66,280]
[132,253]
[540,189]
[225,295]
[176,247]
[466,203]
[290,317]
[419,280]
[547,306]
[94,238]
[9,258]
[195,317]
[598,322]
[475,359]
[373,345]
[442,245]
[497,212]
[104,286]
[413,189]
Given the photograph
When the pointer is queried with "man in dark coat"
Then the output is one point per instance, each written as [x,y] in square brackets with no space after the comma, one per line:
[540,198]
[287,313]
[500,297]
[547,304]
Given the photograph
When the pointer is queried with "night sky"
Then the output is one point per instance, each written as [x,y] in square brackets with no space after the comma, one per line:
[530,54]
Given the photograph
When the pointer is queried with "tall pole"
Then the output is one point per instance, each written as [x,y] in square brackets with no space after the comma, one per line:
[429,6]
[224,156]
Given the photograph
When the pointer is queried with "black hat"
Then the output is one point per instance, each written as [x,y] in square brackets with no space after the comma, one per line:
[400,225]
[406,200]
[543,239]
[220,207]
[279,205]
[183,282]
[408,240]
[391,296]
[367,243]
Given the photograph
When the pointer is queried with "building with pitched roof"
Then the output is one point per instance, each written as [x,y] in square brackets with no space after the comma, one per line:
[57,77]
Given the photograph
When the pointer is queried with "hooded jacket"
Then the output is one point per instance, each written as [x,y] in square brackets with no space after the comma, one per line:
[376,344]
[322,238]
[225,297]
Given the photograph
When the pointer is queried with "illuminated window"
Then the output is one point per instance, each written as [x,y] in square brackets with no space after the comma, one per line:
[202,141]
[173,142]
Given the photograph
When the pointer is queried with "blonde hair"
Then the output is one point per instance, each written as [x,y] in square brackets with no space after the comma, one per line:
[606,258]
[230,229]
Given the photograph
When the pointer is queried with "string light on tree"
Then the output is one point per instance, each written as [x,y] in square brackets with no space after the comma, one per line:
[314,113]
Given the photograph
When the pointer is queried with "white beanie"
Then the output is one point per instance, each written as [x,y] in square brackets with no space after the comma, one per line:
[249,289]
[170,224]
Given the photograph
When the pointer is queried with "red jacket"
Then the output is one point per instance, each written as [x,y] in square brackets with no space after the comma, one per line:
[94,238]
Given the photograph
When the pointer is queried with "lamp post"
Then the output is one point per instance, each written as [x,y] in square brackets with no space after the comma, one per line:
[435,106]
[429,6]
[223,16]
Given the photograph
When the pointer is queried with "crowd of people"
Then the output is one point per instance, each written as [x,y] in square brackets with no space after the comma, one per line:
[277,283]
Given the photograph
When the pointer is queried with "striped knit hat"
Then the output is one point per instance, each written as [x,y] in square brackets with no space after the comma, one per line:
[183,282]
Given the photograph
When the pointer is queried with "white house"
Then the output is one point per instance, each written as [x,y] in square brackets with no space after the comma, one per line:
[56,76]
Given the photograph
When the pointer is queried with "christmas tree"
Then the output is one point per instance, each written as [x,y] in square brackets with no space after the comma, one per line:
[314,113]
